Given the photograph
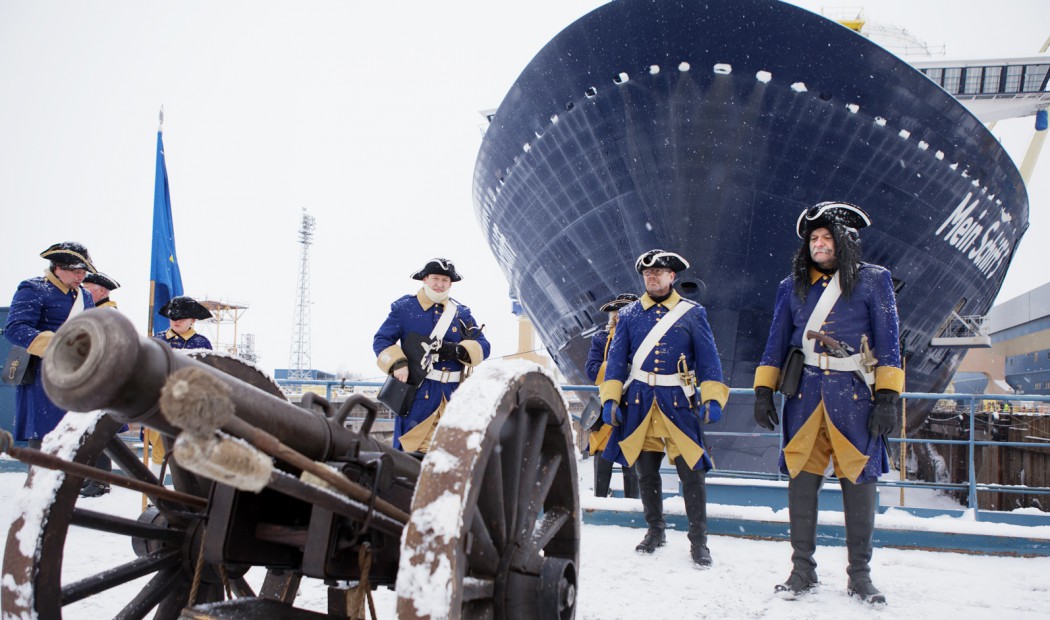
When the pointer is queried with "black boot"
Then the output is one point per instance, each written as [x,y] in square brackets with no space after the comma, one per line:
[694,492]
[96,488]
[602,476]
[651,491]
[93,488]
[803,495]
[858,503]
[630,482]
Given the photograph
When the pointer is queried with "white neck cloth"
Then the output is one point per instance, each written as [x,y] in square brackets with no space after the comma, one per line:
[434,296]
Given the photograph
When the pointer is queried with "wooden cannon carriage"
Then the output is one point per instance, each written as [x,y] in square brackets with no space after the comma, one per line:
[487,525]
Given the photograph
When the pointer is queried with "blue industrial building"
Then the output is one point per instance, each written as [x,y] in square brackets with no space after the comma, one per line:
[1019,357]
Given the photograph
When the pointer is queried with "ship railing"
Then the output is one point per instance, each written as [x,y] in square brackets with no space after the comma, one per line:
[972,406]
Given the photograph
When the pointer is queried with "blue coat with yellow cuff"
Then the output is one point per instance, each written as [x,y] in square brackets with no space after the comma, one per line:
[870,311]
[417,314]
[595,368]
[40,306]
[690,337]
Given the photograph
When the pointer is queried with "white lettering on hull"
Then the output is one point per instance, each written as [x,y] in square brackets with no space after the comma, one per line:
[985,245]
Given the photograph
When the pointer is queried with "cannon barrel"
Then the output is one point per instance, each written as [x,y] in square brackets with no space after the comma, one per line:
[98,361]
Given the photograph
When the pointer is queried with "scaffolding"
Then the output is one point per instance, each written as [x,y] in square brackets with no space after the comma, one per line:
[226,313]
[963,331]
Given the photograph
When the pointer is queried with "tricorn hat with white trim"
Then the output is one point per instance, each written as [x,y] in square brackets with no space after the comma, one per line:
[440,266]
[825,214]
[661,258]
[102,280]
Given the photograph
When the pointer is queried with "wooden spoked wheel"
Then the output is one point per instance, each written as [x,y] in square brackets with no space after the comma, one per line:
[164,539]
[495,525]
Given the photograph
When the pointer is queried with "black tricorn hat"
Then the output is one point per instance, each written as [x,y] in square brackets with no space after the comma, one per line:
[663,259]
[184,307]
[69,255]
[618,302]
[102,280]
[440,266]
[824,214]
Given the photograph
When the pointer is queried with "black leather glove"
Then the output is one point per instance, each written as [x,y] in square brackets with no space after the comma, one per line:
[469,332]
[451,351]
[883,418]
[765,410]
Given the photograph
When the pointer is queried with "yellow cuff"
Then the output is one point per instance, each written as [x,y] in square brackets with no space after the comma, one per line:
[477,354]
[714,390]
[767,376]
[889,378]
[601,374]
[610,390]
[388,357]
[39,344]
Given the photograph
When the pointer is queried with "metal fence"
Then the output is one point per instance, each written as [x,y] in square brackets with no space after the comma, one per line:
[971,401]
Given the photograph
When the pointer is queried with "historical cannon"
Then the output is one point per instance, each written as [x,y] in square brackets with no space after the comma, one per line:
[486,526]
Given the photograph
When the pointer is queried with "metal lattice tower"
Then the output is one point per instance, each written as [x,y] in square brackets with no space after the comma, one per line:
[299,366]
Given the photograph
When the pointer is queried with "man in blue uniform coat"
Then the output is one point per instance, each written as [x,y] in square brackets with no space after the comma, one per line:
[664,367]
[600,431]
[100,286]
[183,312]
[40,306]
[413,321]
[840,316]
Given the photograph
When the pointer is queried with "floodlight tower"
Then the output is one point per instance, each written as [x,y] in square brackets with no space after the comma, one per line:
[299,363]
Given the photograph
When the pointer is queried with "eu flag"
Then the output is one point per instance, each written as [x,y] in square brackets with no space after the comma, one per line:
[165,279]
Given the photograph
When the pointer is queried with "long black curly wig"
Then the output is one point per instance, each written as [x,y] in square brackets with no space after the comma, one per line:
[847,260]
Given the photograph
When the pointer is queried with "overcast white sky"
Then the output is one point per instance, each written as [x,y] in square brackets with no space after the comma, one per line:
[366,114]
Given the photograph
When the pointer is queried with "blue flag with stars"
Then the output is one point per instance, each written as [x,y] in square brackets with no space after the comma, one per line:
[165,279]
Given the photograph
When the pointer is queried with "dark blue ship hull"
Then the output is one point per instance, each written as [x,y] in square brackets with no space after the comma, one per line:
[705,127]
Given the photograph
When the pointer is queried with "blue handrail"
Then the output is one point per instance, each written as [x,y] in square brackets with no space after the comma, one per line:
[972,399]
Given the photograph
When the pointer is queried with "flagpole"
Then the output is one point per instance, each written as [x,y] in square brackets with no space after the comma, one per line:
[152,282]
[163,243]
[149,323]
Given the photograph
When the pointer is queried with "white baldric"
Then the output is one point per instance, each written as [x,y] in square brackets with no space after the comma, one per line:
[440,328]
[816,321]
[445,321]
[651,339]
[77,308]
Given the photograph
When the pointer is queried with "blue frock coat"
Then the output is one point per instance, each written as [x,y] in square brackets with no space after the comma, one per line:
[689,342]
[417,314]
[870,311]
[40,306]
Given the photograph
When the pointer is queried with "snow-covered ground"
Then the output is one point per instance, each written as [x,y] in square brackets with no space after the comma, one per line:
[615,582]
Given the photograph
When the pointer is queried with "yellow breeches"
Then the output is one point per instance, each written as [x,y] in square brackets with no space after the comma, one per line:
[817,443]
[418,439]
[600,438]
[657,433]
[153,438]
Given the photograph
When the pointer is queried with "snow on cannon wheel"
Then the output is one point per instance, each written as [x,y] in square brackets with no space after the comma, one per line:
[495,524]
[164,541]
